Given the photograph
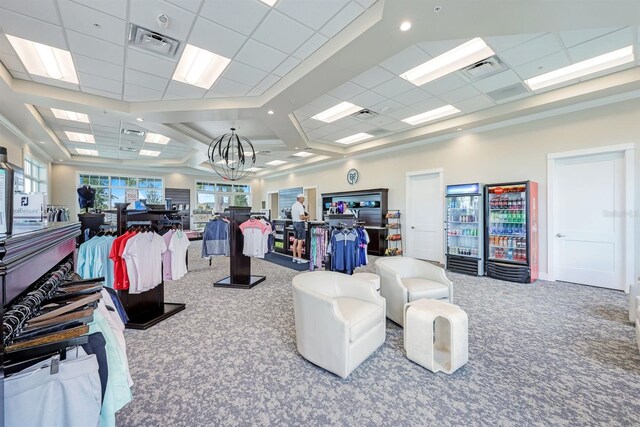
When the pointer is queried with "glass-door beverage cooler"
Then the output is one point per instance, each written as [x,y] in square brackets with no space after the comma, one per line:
[464,229]
[512,231]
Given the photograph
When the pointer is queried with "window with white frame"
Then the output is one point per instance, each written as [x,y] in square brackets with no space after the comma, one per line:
[35,176]
[214,196]
[111,189]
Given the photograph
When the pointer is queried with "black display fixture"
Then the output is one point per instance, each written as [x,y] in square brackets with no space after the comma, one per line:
[232,156]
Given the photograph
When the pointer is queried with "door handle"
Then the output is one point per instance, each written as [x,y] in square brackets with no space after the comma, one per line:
[561,235]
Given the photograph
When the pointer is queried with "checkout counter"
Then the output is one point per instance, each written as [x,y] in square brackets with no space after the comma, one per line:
[283,241]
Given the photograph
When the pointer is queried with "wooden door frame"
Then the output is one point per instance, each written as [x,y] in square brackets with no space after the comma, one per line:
[628,151]
[409,175]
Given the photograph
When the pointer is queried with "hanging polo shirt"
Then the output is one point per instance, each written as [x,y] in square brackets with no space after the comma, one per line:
[178,247]
[144,255]
[166,257]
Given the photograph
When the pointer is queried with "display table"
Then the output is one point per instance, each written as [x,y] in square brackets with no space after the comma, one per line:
[436,335]
[369,277]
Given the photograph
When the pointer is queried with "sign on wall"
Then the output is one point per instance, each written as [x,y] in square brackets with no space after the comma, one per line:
[130,196]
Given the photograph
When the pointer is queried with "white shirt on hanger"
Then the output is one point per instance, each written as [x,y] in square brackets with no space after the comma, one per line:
[178,247]
[146,253]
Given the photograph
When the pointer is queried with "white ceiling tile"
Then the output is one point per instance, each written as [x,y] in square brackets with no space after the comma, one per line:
[412,96]
[307,111]
[439,47]
[444,84]
[543,65]
[497,81]
[402,113]
[185,91]
[405,60]
[216,38]
[117,8]
[312,14]
[32,29]
[12,63]
[260,56]
[54,82]
[574,37]
[152,64]
[373,77]
[601,45]
[386,106]
[172,97]
[474,104]
[381,121]
[502,43]
[314,43]
[367,99]
[94,48]
[145,14]
[347,91]
[460,94]
[44,11]
[228,88]
[84,64]
[398,126]
[84,20]
[238,72]
[242,16]
[139,93]
[190,5]
[363,126]
[143,79]
[96,82]
[530,50]
[267,82]
[311,124]
[281,32]
[287,65]
[350,12]
[428,105]
[393,87]
[325,101]
[255,92]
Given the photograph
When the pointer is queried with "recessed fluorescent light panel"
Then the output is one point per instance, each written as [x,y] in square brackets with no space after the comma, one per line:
[70,115]
[199,67]
[337,112]
[149,153]
[269,2]
[303,154]
[438,113]
[581,69]
[85,152]
[255,169]
[457,58]
[80,137]
[276,163]
[354,138]
[156,138]
[46,61]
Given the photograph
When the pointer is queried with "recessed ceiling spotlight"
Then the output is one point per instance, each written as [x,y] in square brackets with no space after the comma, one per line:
[583,68]
[295,148]
[98,26]
[45,61]
[437,9]
[459,128]
[428,116]
[337,112]
[453,60]
[344,155]
[270,112]
[140,119]
[199,67]
[41,142]
[405,26]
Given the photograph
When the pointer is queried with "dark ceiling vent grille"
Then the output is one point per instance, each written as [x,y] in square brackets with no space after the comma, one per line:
[508,93]
[129,149]
[482,69]
[132,132]
[152,41]
[364,114]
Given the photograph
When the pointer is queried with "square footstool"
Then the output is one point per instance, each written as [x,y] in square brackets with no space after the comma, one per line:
[436,335]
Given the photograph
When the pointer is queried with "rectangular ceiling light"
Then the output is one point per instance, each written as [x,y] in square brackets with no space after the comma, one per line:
[255,169]
[80,137]
[275,163]
[46,61]
[438,113]
[269,2]
[86,152]
[337,112]
[199,67]
[303,154]
[149,153]
[156,138]
[581,69]
[457,58]
[70,115]
[224,162]
[354,138]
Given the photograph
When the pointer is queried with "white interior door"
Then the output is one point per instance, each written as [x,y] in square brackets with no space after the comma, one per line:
[425,217]
[589,220]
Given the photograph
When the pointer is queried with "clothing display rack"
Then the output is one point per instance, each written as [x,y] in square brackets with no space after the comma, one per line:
[240,276]
[147,308]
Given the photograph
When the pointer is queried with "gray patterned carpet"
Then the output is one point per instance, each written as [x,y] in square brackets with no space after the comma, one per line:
[542,354]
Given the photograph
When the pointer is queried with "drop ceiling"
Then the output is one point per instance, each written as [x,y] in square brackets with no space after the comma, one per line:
[296,59]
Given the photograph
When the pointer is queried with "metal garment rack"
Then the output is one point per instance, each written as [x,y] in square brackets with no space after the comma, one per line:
[240,277]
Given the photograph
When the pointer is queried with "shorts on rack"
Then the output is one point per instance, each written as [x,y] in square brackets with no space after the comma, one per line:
[299,232]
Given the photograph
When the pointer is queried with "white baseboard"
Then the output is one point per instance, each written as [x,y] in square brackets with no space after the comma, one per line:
[542,276]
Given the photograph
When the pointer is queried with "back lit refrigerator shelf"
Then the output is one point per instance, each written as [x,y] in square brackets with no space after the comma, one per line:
[465,230]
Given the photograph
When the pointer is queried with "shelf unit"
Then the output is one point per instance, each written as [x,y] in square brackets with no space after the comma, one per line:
[394,247]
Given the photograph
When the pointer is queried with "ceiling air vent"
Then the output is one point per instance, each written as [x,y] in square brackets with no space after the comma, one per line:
[133,132]
[129,149]
[378,132]
[152,41]
[364,114]
[482,69]
[508,93]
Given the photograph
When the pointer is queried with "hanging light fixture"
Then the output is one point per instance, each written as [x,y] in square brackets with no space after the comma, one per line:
[232,156]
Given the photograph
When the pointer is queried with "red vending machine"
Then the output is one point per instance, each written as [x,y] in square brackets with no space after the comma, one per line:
[512,231]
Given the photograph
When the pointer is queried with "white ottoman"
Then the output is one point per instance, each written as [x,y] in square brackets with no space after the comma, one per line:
[369,277]
[449,348]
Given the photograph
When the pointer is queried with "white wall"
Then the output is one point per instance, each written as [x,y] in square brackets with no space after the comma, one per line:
[16,150]
[513,153]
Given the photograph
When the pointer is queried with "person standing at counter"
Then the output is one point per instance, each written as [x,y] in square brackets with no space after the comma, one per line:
[299,216]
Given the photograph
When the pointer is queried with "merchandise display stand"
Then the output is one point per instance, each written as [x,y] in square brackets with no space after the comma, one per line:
[241,277]
[147,308]
[393,229]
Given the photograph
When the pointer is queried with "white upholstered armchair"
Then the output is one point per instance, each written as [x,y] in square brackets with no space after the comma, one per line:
[340,320]
[404,279]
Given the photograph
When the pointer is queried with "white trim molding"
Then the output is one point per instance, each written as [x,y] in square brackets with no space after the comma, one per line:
[628,151]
